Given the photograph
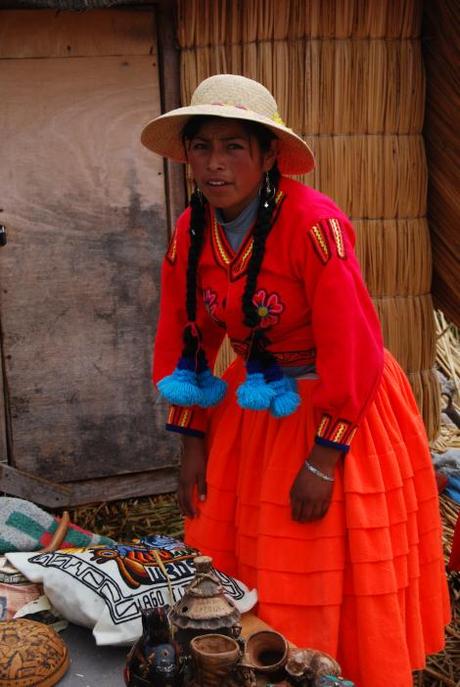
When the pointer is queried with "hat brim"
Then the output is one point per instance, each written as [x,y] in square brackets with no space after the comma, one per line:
[162,135]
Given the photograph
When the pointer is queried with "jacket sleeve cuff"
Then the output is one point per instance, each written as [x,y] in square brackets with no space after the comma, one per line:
[189,421]
[335,432]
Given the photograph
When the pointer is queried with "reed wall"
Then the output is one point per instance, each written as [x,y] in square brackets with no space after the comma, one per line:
[441,30]
[348,76]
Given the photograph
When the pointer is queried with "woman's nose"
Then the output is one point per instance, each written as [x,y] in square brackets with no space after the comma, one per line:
[215,160]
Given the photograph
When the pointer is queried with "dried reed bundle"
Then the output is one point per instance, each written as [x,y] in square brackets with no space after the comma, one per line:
[441,52]
[349,86]
[402,318]
[137,517]
[391,171]
[203,22]
[395,256]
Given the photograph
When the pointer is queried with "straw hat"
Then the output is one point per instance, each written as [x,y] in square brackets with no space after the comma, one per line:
[235,97]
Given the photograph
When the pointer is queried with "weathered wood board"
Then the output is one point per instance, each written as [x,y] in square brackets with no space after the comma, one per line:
[24,33]
[85,211]
[3,436]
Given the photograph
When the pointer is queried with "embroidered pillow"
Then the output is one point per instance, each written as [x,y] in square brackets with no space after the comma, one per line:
[105,587]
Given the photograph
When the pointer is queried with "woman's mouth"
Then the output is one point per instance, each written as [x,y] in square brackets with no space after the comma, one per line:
[216,183]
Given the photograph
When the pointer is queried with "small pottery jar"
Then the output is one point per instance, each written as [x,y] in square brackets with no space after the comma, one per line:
[266,652]
[153,660]
[306,665]
[214,657]
[204,608]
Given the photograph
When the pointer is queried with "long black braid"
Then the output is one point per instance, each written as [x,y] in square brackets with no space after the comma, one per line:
[260,233]
[196,229]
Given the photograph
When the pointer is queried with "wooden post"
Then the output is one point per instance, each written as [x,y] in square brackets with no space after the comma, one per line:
[169,73]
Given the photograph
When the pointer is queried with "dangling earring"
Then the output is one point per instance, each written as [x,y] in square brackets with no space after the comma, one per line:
[269,190]
[199,193]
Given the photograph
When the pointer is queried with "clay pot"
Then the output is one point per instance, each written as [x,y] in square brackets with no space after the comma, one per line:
[309,664]
[266,651]
[204,608]
[153,660]
[214,657]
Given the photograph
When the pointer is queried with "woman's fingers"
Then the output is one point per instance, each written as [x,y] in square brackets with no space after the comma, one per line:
[201,484]
[192,475]
[184,495]
[296,508]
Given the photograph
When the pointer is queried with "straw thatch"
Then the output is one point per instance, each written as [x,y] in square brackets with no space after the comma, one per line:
[349,77]
[442,135]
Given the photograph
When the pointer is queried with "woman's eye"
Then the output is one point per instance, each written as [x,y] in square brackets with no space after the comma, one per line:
[235,146]
[198,146]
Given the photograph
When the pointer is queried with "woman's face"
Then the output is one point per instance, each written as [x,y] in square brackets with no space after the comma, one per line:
[228,164]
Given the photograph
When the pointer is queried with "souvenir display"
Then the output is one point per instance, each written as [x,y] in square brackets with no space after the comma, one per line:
[204,607]
[207,650]
[31,655]
[154,659]
[106,587]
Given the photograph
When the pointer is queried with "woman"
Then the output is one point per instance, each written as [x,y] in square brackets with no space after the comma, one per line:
[306,472]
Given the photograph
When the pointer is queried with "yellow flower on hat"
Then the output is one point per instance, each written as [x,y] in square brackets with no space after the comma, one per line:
[278,119]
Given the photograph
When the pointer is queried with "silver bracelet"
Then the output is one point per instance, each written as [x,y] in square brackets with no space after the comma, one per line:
[315,471]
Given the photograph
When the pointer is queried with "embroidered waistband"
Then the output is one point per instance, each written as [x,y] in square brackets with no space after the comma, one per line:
[286,359]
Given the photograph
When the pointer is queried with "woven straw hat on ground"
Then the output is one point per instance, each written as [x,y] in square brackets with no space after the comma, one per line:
[235,97]
[31,654]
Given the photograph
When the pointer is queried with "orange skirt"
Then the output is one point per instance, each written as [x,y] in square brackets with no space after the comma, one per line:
[367,582]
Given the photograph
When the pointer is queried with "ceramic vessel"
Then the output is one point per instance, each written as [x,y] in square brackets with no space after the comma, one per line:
[31,654]
[204,608]
[266,652]
[153,660]
[306,665]
[214,657]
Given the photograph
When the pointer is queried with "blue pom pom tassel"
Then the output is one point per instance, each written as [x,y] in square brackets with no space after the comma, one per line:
[255,393]
[181,387]
[212,389]
[286,400]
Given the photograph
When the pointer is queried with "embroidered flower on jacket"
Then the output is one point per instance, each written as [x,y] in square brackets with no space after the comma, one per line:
[211,304]
[210,300]
[269,307]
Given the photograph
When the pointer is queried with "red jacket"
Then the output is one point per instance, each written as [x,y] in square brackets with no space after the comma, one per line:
[311,297]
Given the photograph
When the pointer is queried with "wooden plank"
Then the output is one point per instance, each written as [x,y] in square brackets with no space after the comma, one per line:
[169,71]
[3,405]
[47,34]
[158,481]
[85,210]
[32,488]
[53,495]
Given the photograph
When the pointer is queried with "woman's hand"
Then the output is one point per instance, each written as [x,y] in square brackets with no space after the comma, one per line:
[311,495]
[192,472]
